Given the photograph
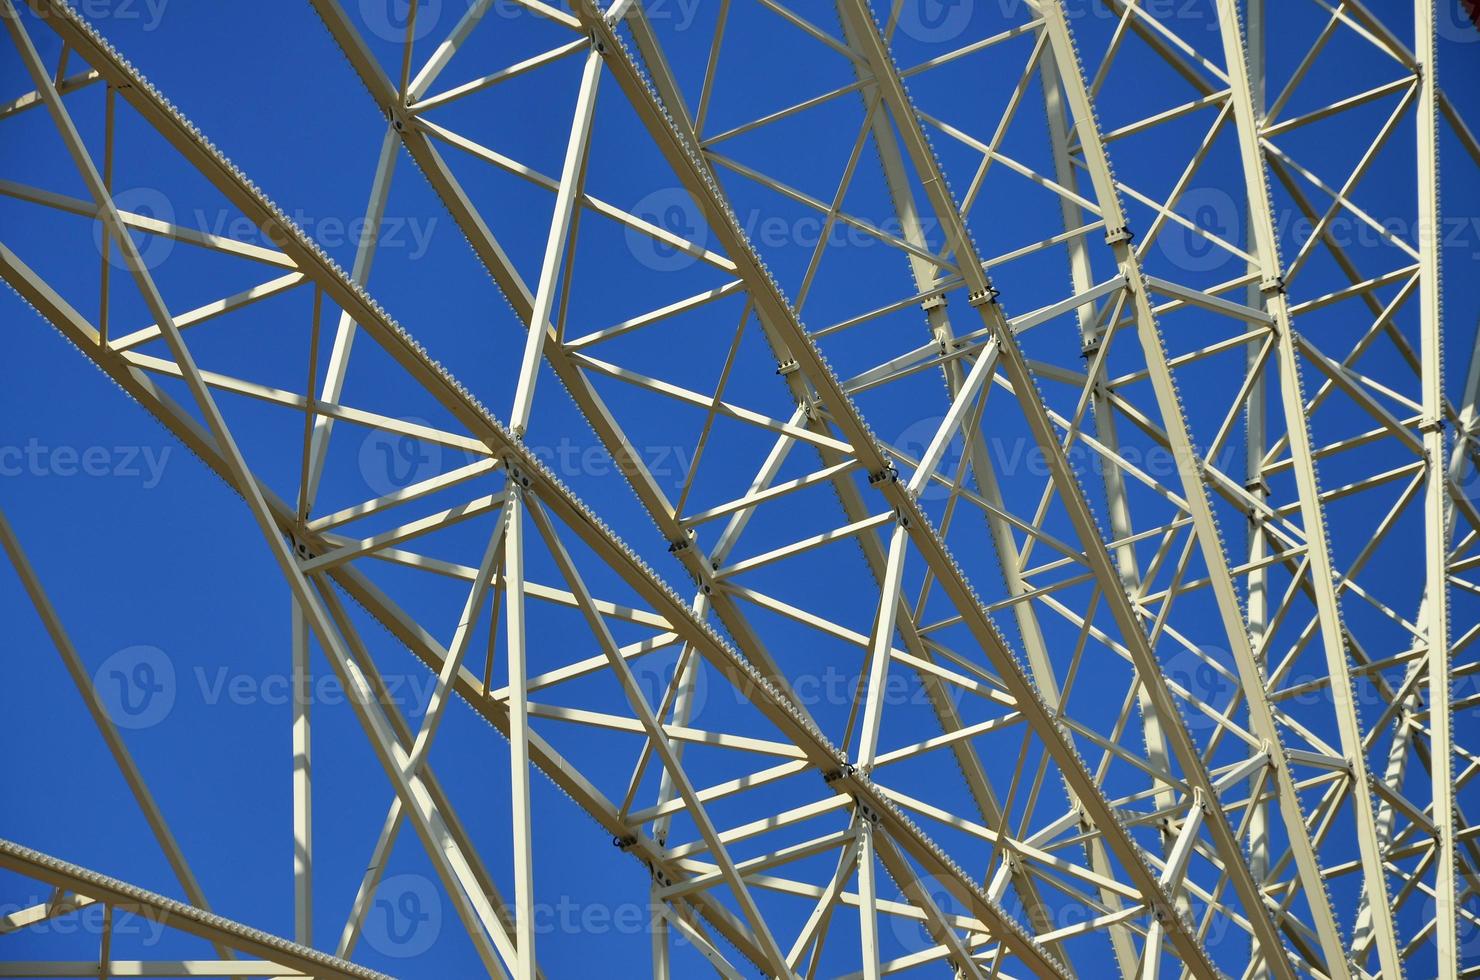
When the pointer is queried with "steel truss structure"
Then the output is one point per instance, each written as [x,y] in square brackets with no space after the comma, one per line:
[1262,770]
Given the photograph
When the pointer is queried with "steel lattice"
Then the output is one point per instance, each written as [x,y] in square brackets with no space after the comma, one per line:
[1071,567]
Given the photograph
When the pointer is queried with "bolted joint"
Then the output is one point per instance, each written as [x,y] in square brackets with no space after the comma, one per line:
[299,546]
[1274,286]
[943,342]
[936,302]
[702,572]
[623,842]
[1116,236]
[808,404]
[833,775]
[984,297]
[516,473]
[788,367]
[888,473]
[1431,425]
[1091,346]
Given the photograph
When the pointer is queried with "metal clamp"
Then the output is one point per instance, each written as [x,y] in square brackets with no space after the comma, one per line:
[834,775]
[983,297]
[887,473]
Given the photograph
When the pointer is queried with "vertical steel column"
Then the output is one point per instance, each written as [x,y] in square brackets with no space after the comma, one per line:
[1322,574]
[302,783]
[868,913]
[518,656]
[1436,494]
[1255,447]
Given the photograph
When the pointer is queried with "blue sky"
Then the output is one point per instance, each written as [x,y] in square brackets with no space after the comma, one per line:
[162,578]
